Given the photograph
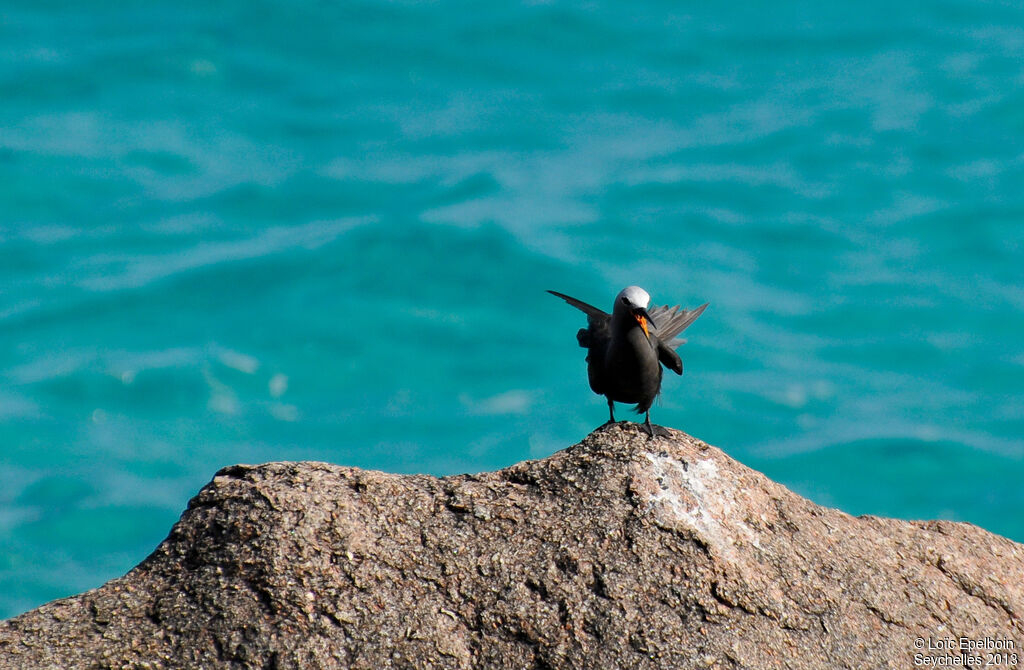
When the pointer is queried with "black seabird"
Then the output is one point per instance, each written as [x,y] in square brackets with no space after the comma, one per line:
[626,349]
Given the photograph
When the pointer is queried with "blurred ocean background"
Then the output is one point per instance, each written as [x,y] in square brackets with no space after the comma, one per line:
[252,231]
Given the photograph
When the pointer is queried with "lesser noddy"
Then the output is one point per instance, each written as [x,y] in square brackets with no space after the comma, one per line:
[626,349]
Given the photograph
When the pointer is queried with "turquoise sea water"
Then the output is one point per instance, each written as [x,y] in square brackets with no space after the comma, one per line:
[251,231]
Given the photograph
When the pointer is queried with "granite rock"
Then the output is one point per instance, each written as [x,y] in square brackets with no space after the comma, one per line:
[618,552]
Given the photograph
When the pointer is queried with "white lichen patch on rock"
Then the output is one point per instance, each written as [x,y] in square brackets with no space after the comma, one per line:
[695,497]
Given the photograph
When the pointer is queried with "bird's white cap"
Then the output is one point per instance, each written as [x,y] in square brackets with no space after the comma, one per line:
[635,296]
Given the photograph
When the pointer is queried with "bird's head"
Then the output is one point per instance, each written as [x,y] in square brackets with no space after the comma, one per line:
[633,301]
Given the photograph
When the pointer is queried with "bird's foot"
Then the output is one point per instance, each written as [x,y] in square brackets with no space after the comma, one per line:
[653,430]
[659,431]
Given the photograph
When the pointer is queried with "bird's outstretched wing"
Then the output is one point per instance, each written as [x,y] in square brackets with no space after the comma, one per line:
[598,330]
[594,338]
[589,310]
[671,321]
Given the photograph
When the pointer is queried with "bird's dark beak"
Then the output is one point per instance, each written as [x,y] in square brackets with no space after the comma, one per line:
[643,318]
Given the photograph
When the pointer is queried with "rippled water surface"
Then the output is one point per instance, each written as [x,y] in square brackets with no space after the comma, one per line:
[241,232]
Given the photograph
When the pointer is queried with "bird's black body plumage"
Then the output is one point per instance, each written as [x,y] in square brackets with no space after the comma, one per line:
[626,349]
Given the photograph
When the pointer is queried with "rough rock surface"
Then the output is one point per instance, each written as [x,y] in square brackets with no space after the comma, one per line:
[618,552]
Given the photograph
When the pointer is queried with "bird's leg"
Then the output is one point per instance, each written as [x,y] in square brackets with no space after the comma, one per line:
[647,424]
[611,412]
[653,430]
